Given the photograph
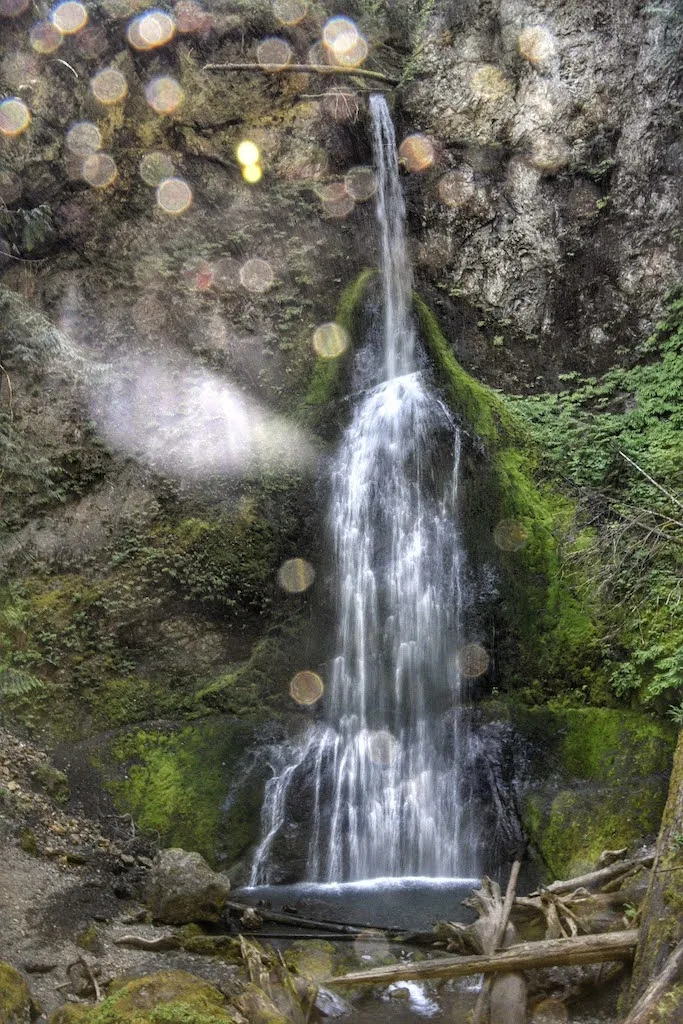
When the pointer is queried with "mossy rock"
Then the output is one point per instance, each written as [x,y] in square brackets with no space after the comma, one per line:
[52,781]
[168,997]
[571,827]
[16,1005]
[312,959]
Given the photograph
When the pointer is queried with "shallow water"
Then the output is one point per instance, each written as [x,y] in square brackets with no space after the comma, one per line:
[413,904]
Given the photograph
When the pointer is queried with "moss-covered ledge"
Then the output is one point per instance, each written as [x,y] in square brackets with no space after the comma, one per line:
[593,779]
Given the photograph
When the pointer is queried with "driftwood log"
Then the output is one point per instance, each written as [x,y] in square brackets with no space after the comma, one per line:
[512,987]
[584,949]
[314,69]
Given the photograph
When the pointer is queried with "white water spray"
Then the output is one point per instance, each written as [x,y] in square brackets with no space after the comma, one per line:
[386,766]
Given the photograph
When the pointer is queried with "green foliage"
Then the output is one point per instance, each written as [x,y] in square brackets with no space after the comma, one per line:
[616,444]
[28,229]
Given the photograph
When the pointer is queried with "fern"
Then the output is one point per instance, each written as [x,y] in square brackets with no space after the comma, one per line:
[14,683]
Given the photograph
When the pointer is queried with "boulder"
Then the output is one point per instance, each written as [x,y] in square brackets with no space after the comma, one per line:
[16,1005]
[182,888]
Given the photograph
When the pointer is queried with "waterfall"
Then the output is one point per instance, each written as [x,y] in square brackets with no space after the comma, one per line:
[386,768]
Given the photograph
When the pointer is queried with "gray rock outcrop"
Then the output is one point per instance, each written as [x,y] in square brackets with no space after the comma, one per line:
[182,889]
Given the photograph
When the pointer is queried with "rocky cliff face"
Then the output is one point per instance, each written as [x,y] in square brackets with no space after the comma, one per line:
[157,437]
[556,210]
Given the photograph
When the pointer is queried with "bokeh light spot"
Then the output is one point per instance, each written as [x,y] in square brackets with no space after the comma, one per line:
[252,173]
[548,154]
[151,29]
[109,86]
[360,183]
[456,188]
[336,200]
[290,12]
[417,153]
[257,275]
[296,575]
[248,153]
[99,170]
[382,747]
[15,117]
[273,53]
[164,94]
[46,37]
[354,56]
[174,196]
[536,44]
[472,660]
[19,69]
[509,535]
[306,688]
[70,17]
[155,167]
[489,83]
[340,35]
[330,341]
[92,41]
[83,138]
[13,8]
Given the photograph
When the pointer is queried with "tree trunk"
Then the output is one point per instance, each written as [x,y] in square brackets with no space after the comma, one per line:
[661,927]
[586,949]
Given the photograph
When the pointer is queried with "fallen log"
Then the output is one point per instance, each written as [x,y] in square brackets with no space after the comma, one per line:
[315,69]
[597,878]
[277,917]
[645,1010]
[584,949]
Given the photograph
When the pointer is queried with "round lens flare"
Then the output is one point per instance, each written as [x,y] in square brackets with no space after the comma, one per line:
[354,56]
[489,83]
[156,167]
[15,117]
[382,747]
[548,154]
[290,12]
[152,29]
[536,44]
[69,17]
[257,276]
[340,35]
[296,575]
[416,153]
[248,153]
[509,535]
[109,86]
[99,170]
[164,94]
[46,37]
[174,196]
[19,70]
[456,189]
[472,660]
[83,138]
[13,8]
[252,173]
[360,183]
[306,688]
[330,341]
[337,203]
[274,53]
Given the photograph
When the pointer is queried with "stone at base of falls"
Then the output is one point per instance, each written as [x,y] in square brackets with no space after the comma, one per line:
[182,889]
[165,996]
[16,1005]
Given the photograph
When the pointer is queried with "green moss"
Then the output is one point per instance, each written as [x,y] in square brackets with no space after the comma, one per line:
[573,828]
[28,842]
[611,745]
[53,781]
[15,998]
[330,376]
[176,783]
[312,958]
[168,997]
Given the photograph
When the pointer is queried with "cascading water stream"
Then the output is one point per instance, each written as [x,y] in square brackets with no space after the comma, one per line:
[386,767]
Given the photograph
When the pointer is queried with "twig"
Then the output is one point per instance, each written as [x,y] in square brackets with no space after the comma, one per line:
[317,69]
[647,476]
[93,979]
